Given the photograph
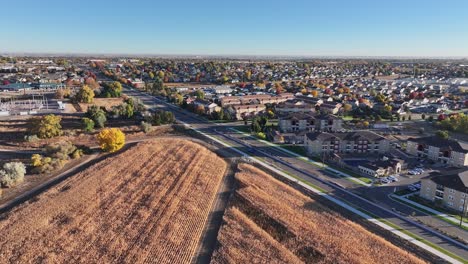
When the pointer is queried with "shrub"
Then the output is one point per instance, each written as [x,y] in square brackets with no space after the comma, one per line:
[111,139]
[261,135]
[146,127]
[98,115]
[31,138]
[46,127]
[88,124]
[12,174]
[57,154]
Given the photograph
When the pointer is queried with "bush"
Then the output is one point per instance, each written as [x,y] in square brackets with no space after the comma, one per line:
[57,155]
[111,139]
[46,127]
[261,135]
[146,127]
[12,174]
[88,124]
[31,138]
[98,115]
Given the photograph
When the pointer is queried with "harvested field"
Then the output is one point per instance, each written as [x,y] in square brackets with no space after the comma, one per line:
[271,222]
[147,204]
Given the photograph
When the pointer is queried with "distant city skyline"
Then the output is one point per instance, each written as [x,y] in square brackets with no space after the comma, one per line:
[335,28]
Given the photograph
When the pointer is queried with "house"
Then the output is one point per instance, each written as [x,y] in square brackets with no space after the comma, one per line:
[358,142]
[295,122]
[446,151]
[208,106]
[381,168]
[448,189]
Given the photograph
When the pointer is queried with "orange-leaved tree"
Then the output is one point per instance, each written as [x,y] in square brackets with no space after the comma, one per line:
[111,139]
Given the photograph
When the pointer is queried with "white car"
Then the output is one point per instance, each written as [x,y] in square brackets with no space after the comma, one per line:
[384,181]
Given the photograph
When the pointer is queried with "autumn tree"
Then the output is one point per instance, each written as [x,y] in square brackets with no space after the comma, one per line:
[46,127]
[111,139]
[85,95]
[113,89]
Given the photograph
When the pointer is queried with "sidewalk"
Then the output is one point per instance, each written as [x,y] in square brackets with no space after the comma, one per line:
[436,213]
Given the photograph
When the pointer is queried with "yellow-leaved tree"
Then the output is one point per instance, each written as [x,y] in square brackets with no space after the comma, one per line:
[111,139]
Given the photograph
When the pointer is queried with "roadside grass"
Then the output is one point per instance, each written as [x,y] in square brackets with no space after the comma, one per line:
[429,213]
[437,208]
[418,238]
[403,192]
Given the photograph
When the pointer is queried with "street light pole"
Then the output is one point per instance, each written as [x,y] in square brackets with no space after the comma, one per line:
[464,206]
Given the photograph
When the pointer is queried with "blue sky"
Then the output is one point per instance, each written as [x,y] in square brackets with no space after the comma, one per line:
[253,27]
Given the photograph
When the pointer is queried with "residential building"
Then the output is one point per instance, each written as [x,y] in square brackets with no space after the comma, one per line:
[446,151]
[294,106]
[296,122]
[241,111]
[358,142]
[449,189]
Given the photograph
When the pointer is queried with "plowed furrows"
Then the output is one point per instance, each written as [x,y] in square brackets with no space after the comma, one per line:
[170,205]
[50,230]
[84,212]
[19,240]
[201,206]
[172,231]
[158,196]
[109,203]
[130,203]
[153,219]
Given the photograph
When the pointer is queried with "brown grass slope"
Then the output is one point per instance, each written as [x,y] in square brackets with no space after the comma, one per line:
[147,204]
[270,216]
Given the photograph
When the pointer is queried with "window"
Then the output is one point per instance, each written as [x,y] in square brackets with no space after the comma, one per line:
[463,195]
[428,189]
[451,191]
[450,197]
[450,204]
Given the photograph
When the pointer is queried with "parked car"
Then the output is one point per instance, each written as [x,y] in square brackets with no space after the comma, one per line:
[384,180]
[412,188]
[392,178]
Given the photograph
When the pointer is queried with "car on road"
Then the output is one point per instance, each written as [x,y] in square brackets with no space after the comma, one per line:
[413,172]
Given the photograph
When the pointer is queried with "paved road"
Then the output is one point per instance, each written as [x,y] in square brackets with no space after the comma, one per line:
[319,180]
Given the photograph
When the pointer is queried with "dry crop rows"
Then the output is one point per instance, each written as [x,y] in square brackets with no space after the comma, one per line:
[145,205]
[269,216]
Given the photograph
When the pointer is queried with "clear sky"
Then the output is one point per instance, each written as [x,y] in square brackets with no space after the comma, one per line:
[241,27]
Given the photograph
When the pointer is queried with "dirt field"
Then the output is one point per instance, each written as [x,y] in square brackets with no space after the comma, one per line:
[270,222]
[147,204]
[102,102]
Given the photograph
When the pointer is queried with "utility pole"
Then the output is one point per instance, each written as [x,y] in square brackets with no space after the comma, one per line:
[464,206]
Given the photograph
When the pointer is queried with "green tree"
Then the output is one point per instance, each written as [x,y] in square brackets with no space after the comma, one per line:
[46,127]
[98,115]
[157,86]
[442,134]
[88,124]
[113,89]
[199,94]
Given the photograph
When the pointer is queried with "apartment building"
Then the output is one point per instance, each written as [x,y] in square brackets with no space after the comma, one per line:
[296,122]
[294,106]
[358,142]
[241,111]
[449,189]
[255,99]
[446,151]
